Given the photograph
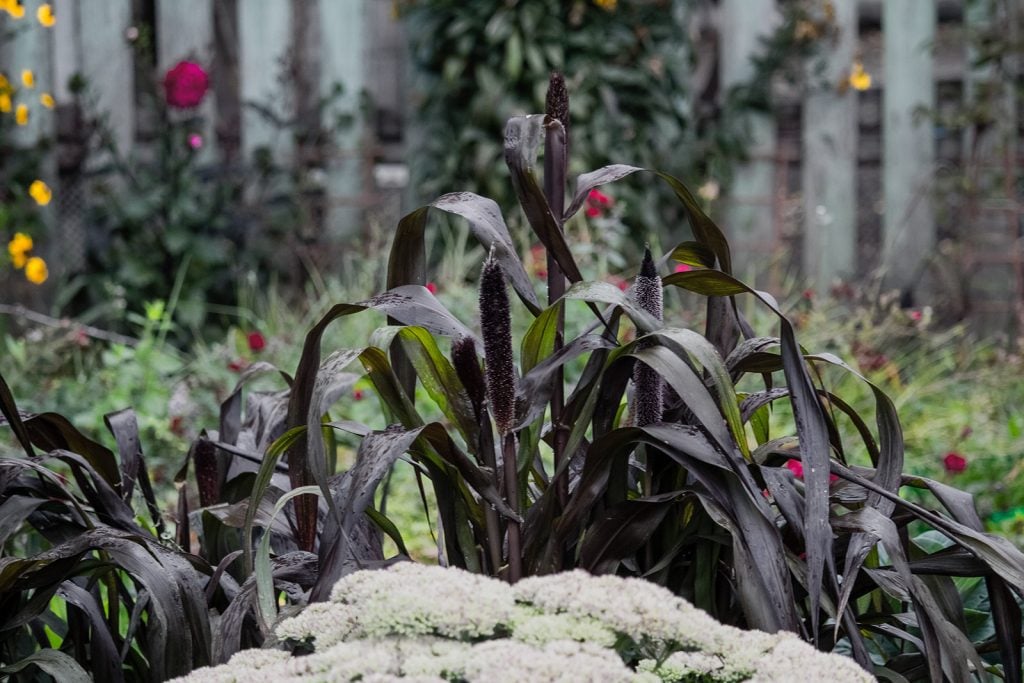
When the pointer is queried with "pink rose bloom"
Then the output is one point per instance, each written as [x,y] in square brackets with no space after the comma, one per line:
[954,463]
[185,85]
[195,140]
[257,342]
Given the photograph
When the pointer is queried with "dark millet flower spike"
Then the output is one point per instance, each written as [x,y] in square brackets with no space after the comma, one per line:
[557,102]
[496,325]
[648,392]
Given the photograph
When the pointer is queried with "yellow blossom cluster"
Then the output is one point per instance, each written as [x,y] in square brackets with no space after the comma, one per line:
[859,78]
[607,5]
[20,246]
[16,10]
[46,17]
[19,249]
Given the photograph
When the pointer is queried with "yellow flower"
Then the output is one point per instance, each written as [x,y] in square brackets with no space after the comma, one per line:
[19,245]
[5,103]
[46,99]
[859,78]
[21,115]
[45,15]
[28,78]
[607,5]
[20,242]
[36,271]
[40,192]
[13,8]
[4,83]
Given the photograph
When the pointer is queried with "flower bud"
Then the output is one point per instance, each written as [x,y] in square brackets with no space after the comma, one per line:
[648,392]
[557,101]
[496,325]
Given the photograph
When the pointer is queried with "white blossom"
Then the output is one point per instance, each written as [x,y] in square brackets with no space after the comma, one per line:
[427,624]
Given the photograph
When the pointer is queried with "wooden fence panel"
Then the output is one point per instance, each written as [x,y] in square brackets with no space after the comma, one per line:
[749,220]
[342,61]
[908,142]
[264,39]
[829,169]
[107,63]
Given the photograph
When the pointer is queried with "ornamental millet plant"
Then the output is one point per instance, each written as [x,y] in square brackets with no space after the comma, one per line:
[496,328]
[841,565]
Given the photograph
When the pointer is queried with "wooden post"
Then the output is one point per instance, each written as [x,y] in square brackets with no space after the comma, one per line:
[184,30]
[343,61]
[107,64]
[749,215]
[908,144]
[264,31]
[830,163]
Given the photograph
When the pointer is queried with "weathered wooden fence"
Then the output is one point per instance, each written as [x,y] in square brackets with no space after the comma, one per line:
[284,55]
[856,188]
[845,182]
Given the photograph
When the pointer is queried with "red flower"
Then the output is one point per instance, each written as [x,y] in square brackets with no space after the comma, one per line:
[915,316]
[808,294]
[683,268]
[797,468]
[597,202]
[954,463]
[178,425]
[432,288]
[256,342]
[237,365]
[185,85]
[358,394]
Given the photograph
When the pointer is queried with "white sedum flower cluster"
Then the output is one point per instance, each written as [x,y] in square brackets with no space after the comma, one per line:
[421,623]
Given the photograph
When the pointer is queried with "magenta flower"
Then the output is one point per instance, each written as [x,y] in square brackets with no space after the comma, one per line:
[185,85]
[257,342]
[954,463]
[797,468]
[597,202]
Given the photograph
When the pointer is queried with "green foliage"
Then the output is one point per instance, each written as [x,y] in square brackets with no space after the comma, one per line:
[687,508]
[956,394]
[640,77]
[628,76]
[172,211]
